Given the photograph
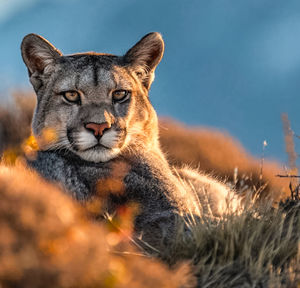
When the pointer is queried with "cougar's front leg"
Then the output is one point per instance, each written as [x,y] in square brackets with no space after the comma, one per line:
[56,169]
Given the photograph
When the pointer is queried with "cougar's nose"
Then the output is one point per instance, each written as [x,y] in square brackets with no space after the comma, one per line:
[97,129]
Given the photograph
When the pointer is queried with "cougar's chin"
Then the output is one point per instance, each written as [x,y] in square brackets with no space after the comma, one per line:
[98,154]
[87,147]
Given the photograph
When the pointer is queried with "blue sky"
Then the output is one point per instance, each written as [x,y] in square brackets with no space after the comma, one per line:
[231,65]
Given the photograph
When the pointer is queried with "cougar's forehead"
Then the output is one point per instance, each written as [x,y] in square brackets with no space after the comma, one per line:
[95,75]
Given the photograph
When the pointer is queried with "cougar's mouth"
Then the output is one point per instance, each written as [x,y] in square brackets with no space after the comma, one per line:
[95,147]
[88,147]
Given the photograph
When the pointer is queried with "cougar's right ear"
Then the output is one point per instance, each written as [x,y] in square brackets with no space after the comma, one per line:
[39,56]
[144,56]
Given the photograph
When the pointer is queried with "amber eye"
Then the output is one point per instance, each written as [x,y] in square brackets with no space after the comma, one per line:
[72,96]
[120,95]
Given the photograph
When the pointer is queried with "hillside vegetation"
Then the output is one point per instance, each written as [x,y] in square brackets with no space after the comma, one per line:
[48,240]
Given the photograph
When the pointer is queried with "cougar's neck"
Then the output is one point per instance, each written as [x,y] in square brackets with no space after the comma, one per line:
[144,140]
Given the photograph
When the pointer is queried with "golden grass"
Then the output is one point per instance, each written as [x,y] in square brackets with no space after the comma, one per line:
[259,247]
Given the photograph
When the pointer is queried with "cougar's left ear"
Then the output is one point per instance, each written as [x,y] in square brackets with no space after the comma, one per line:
[144,56]
[39,55]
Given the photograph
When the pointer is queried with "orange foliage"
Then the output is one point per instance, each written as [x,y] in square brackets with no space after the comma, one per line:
[114,183]
[47,241]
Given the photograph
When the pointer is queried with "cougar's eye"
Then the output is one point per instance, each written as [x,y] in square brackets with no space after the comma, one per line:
[120,95]
[72,96]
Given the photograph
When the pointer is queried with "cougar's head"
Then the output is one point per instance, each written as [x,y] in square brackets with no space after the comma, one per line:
[95,105]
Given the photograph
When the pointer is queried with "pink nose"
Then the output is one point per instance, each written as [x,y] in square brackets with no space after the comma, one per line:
[98,129]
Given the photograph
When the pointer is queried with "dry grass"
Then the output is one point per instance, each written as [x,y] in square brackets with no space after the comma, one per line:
[258,247]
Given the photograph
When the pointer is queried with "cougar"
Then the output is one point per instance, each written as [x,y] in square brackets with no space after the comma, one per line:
[96,109]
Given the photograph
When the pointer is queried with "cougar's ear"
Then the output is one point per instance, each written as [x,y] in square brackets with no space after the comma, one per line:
[39,56]
[144,56]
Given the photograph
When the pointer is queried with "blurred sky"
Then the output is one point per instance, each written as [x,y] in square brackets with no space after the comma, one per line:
[229,64]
